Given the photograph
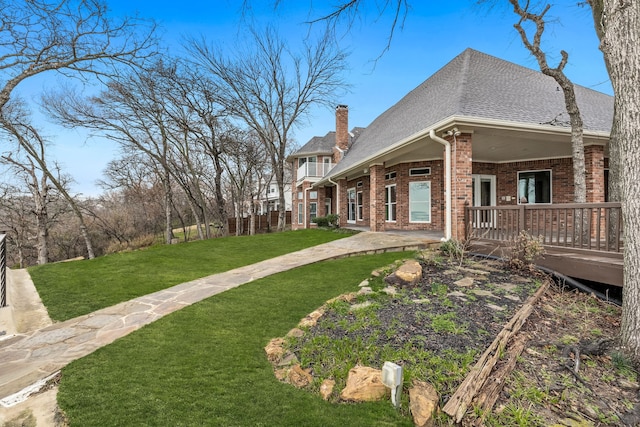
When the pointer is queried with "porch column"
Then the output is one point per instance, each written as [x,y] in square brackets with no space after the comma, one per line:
[594,167]
[341,202]
[376,197]
[461,182]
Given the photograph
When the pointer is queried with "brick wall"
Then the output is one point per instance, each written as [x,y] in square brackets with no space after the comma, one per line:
[561,177]
[461,182]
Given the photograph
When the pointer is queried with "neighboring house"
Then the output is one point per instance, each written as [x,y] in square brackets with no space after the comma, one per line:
[269,198]
[480,132]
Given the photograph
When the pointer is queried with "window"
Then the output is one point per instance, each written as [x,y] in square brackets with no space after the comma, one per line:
[327,206]
[359,205]
[351,205]
[390,175]
[359,184]
[313,194]
[534,187]
[300,214]
[299,195]
[390,203]
[313,210]
[420,201]
[419,171]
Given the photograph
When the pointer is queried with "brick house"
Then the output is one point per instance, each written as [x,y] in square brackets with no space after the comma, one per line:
[480,132]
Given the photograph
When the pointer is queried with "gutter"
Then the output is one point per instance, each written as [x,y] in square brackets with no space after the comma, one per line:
[447,180]
[337,197]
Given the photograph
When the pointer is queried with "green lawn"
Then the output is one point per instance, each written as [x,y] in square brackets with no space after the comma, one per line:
[205,364]
[75,288]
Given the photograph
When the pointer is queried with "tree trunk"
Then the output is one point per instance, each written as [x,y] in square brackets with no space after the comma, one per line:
[618,24]
[167,208]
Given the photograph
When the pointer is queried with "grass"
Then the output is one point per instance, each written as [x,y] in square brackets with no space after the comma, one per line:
[72,289]
[205,364]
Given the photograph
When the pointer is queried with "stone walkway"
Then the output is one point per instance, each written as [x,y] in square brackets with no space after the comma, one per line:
[26,358]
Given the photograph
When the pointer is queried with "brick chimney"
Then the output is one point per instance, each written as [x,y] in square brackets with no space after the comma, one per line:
[342,127]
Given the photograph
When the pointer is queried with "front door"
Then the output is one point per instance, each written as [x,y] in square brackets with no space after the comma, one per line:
[484,194]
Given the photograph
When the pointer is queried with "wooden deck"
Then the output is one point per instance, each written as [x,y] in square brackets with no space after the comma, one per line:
[583,241]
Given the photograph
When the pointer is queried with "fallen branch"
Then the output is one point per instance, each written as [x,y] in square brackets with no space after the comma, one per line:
[457,405]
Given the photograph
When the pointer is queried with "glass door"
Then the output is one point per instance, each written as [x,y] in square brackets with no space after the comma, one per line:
[484,194]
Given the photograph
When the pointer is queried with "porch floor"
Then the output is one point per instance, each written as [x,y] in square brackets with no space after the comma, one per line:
[600,267]
[432,236]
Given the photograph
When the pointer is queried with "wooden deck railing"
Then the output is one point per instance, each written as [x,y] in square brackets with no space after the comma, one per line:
[3,271]
[588,226]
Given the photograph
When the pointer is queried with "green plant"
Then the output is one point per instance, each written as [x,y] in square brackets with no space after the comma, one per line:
[445,323]
[331,221]
[454,249]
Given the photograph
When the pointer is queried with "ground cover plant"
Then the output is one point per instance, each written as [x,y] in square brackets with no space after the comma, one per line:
[205,364]
[435,329]
[75,288]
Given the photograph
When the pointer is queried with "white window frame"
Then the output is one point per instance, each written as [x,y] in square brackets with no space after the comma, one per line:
[351,205]
[313,195]
[412,202]
[529,202]
[414,171]
[390,175]
[389,210]
[300,213]
[313,211]
[359,206]
[327,205]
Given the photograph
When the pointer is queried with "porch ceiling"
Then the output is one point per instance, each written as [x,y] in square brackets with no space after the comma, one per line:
[494,146]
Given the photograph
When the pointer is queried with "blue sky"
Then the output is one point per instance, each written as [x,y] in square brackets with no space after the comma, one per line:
[433,34]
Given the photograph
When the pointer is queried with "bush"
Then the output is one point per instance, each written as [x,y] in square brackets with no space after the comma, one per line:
[525,249]
[330,221]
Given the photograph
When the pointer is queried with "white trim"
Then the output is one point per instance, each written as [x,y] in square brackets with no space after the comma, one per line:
[409,203]
[387,206]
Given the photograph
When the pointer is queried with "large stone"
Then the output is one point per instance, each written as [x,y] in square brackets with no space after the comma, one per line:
[410,272]
[423,403]
[299,377]
[275,350]
[312,318]
[364,384]
[326,388]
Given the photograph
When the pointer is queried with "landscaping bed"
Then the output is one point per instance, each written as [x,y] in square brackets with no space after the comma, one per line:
[438,328]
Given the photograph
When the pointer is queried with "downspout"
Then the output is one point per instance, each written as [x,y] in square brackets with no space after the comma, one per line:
[447,180]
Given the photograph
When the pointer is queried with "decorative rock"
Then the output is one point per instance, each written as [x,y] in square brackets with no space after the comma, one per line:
[312,318]
[464,283]
[421,301]
[299,377]
[361,305]
[515,298]
[364,283]
[423,403]
[457,294]
[281,374]
[295,332]
[326,388]
[483,293]
[495,307]
[365,291]
[364,384]
[274,350]
[410,272]
[390,290]
[288,360]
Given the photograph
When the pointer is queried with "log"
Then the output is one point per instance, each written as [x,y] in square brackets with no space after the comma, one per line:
[457,405]
[488,395]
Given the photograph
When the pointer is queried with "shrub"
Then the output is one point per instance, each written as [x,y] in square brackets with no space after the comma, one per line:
[330,221]
[526,248]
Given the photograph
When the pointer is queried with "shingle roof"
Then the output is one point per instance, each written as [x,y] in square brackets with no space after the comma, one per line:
[477,85]
[318,144]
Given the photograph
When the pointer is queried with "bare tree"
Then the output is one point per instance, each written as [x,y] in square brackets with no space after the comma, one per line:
[571,104]
[271,89]
[15,123]
[73,37]
[618,27]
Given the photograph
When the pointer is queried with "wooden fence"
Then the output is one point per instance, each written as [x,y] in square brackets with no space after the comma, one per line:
[584,226]
[262,225]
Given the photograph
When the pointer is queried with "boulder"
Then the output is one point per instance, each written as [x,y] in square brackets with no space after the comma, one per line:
[364,384]
[326,388]
[408,273]
[275,350]
[299,377]
[423,403]
[312,318]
